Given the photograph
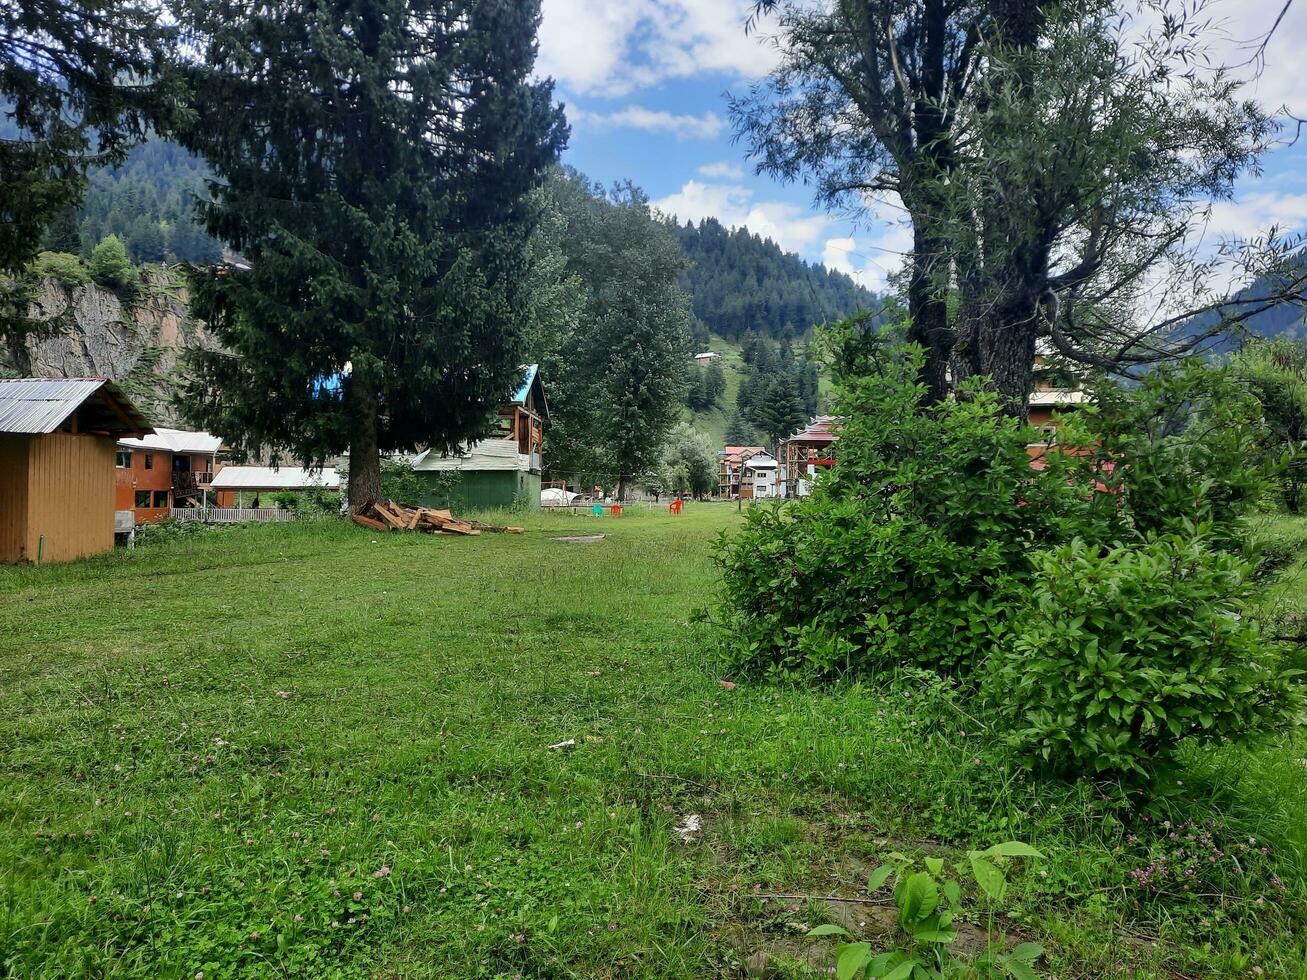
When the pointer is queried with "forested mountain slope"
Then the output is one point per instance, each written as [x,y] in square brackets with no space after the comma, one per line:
[742,283]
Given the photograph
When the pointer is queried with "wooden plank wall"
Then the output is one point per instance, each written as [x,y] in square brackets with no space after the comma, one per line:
[70,496]
[13,497]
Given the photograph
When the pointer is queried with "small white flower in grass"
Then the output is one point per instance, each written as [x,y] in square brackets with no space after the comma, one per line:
[381,872]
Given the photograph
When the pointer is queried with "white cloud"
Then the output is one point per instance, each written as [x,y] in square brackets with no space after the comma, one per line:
[722,168]
[1277,79]
[707,126]
[611,48]
[870,261]
[790,226]
[1253,214]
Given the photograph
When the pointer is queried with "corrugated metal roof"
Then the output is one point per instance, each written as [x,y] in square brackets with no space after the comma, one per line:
[176,441]
[35,406]
[274,478]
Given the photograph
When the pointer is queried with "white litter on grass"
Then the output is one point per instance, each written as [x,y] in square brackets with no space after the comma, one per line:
[570,743]
[689,826]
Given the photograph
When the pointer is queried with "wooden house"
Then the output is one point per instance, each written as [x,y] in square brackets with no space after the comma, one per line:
[171,468]
[57,445]
[500,470]
[730,469]
[808,452]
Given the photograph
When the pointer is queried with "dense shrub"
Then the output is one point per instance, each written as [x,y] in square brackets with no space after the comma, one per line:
[1183,447]
[110,265]
[915,549]
[1099,604]
[1124,654]
[61,266]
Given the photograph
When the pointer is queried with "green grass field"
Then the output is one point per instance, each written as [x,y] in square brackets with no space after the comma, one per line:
[311,750]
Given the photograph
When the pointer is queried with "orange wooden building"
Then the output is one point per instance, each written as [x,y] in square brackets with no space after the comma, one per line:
[57,439]
[170,468]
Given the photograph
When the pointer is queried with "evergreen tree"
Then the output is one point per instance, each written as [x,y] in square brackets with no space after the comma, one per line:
[738,432]
[714,382]
[63,233]
[780,411]
[377,179]
[145,241]
[78,84]
[109,265]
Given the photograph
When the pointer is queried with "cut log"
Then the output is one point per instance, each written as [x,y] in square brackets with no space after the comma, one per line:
[365,521]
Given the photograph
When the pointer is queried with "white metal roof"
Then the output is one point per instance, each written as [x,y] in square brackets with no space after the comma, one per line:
[274,478]
[488,455]
[176,441]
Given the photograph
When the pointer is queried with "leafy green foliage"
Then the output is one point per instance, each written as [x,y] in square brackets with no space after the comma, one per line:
[1183,447]
[1100,600]
[1276,373]
[912,551]
[929,903]
[60,266]
[1125,654]
[689,462]
[617,370]
[109,264]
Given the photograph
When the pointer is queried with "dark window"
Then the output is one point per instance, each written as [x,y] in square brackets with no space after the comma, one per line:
[181,464]
[124,459]
[142,498]
[161,498]
[149,461]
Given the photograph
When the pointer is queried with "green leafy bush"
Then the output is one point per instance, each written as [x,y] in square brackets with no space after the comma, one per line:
[1125,654]
[65,268]
[1183,447]
[915,549]
[110,265]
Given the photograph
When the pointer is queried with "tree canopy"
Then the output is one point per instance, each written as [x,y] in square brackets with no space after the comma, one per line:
[376,177]
[1055,161]
[618,367]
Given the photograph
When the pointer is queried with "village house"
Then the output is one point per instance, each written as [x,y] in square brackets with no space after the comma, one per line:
[57,444]
[761,477]
[171,468]
[706,357]
[253,486]
[730,468]
[500,470]
[806,453]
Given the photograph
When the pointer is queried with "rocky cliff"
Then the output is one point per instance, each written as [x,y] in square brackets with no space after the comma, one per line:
[135,338]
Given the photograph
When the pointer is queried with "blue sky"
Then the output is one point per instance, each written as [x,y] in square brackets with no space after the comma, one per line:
[644,82]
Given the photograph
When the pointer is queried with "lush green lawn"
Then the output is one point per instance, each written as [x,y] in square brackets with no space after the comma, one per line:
[312,750]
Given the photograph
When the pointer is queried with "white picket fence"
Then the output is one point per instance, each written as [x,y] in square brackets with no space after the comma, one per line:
[230,515]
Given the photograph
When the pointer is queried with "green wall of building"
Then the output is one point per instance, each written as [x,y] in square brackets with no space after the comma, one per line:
[480,489]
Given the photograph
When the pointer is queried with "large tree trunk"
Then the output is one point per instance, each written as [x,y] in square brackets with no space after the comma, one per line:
[928,314]
[364,449]
[621,489]
[1007,353]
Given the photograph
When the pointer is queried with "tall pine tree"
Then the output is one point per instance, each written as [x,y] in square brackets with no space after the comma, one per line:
[375,161]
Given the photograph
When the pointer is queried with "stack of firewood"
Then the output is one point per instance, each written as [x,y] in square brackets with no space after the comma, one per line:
[386,515]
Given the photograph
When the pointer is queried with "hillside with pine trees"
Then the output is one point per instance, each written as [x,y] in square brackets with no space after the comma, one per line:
[741,283]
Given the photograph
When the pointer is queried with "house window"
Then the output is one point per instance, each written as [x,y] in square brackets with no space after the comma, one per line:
[181,464]
[1049,433]
[149,461]
[124,459]
[142,498]
[161,498]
